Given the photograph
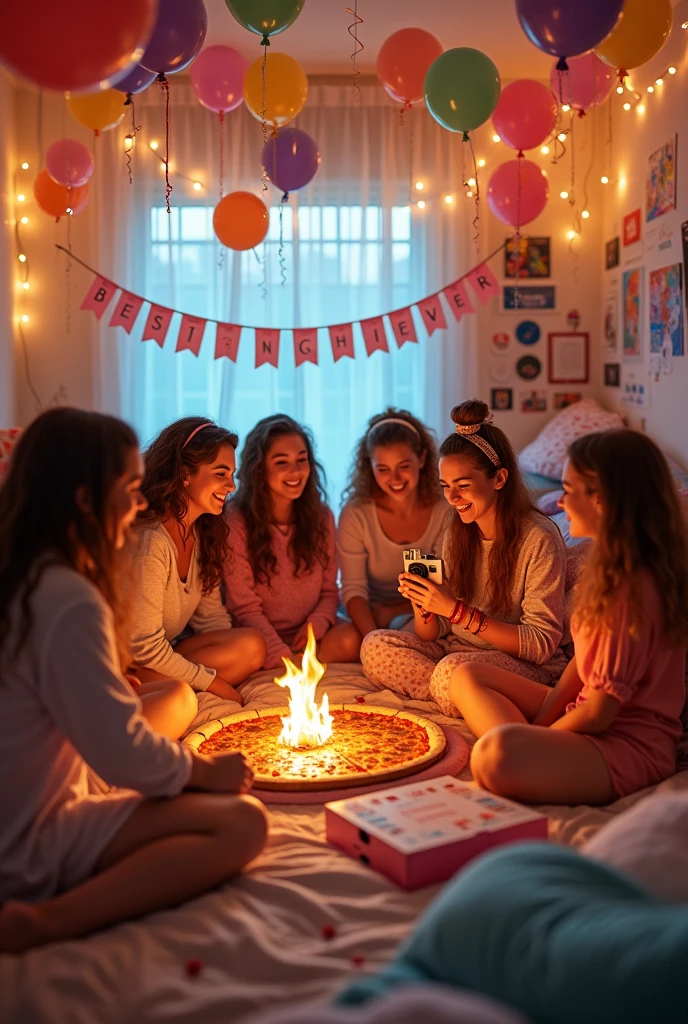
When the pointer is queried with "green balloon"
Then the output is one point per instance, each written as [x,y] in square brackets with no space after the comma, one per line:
[265,17]
[462,89]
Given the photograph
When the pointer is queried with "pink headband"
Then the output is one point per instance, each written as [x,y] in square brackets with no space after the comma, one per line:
[195,431]
[394,419]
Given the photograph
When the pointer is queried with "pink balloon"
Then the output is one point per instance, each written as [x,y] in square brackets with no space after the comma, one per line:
[517,191]
[586,84]
[525,115]
[217,78]
[69,163]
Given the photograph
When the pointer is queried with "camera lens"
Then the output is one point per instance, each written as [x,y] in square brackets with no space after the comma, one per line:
[418,569]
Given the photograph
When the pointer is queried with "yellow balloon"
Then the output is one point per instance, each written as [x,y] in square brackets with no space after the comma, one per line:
[640,33]
[98,111]
[286,89]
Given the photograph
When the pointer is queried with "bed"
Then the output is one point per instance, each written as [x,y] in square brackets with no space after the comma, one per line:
[294,927]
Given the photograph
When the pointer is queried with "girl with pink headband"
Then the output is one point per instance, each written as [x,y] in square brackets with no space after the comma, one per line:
[502,600]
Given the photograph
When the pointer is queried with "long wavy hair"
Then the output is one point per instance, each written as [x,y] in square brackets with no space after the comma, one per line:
[63,453]
[514,505]
[168,460]
[308,543]
[641,528]
[362,486]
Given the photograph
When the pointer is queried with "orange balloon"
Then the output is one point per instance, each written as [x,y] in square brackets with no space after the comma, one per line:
[241,221]
[403,63]
[56,199]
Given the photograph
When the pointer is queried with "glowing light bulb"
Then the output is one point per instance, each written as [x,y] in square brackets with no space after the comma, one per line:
[544,150]
[21,197]
[153,145]
[671,70]
[25,165]
[562,136]
[21,257]
[640,108]
[619,89]
[197,186]
[449,200]
[627,106]
[571,235]
[604,179]
[684,25]
[23,220]
[420,185]
[421,204]
[585,214]
[25,285]
[128,142]
[471,182]
[565,107]
[69,211]
[24,318]
[496,138]
[564,194]
[650,88]
[660,81]
[469,194]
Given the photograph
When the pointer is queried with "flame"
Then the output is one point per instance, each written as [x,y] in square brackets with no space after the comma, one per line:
[308,724]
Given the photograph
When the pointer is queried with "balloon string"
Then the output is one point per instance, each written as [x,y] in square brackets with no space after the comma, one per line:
[476,219]
[264,109]
[517,232]
[263,282]
[165,86]
[68,271]
[129,152]
[358,45]
[280,251]
[221,128]
[411,139]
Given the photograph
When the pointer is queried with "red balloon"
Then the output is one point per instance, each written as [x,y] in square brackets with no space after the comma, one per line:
[56,199]
[74,46]
[517,192]
[403,63]
[525,115]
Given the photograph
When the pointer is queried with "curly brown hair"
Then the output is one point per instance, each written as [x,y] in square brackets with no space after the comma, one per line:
[168,459]
[514,504]
[309,541]
[641,528]
[362,486]
[63,452]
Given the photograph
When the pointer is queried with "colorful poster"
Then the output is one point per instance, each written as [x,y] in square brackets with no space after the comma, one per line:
[533,401]
[529,296]
[666,310]
[533,257]
[631,228]
[684,238]
[660,187]
[631,288]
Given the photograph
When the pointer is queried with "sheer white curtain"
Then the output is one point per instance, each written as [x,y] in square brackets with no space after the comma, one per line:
[352,247]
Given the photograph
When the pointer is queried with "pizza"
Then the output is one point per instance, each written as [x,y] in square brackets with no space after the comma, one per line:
[367,744]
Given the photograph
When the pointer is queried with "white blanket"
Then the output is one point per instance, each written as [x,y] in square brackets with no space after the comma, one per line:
[260,939]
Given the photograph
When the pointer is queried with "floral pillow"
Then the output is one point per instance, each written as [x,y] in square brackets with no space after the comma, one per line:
[547,453]
[8,439]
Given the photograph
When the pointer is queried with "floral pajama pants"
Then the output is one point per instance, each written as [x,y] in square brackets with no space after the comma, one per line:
[421,669]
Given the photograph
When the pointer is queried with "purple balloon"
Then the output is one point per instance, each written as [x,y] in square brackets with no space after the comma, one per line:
[137,80]
[566,28]
[178,36]
[291,159]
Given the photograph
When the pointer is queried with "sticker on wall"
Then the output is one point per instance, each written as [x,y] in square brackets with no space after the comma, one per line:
[501,399]
[611,254]
[573,319]
[499,371]
[528,332]
[528,367]
[533,401]
[631,228]
[501,341]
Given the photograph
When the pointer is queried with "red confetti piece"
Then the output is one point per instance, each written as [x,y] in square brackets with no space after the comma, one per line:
[360,700]
[275,774]
[357,961]
[328,931]
[193,967]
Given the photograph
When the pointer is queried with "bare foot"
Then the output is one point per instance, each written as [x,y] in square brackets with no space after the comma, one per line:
[22,926]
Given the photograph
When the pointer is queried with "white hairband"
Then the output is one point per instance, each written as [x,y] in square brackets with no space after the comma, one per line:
[470,432]
[395,419]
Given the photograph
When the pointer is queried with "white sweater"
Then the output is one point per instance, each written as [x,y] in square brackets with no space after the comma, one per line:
[166,605]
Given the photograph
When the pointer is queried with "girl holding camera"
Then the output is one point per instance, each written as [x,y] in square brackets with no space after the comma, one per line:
[502,602]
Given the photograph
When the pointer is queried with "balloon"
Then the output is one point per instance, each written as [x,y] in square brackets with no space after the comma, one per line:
[56,199]
[565,28]
[640,34]
[136,81]
[403,63]
[241,221]
[76,46]
[525,115]
[98,111]
[462,89]
[286,89]
[69,163]
[291,159]
[671,54]
[265,17]
[503,192]
[217,78]
[178,35]
[586,84]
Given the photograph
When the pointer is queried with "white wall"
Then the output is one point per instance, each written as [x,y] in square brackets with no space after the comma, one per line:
[7,253]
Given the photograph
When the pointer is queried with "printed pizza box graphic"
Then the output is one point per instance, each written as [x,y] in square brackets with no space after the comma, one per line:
[419,834]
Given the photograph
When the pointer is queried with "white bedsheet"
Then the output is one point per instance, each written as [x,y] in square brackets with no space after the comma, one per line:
[260,938]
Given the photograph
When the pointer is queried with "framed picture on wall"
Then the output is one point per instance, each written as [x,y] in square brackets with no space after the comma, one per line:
[660,187]
[533,258]
[612,375]
[501,399]
[536,298]
[611,254]
[569,358]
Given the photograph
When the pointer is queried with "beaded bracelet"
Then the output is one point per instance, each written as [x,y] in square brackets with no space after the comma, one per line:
[482,622]
[474,612]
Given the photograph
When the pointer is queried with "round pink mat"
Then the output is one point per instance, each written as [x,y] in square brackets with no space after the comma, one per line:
[455,758]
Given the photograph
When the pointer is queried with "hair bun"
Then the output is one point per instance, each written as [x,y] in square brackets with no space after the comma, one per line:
[471,413]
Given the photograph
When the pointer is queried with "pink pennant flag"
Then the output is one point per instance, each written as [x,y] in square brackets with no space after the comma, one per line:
[157,324]
[127,309]
[484,283]
[267,346]
[190,334]
[99,296]
[227,341]
[374,335]
[342,341]
[432,313]
[306,346]
[458,299]
[403,326]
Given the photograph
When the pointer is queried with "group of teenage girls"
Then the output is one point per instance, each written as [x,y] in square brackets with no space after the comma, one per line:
[128,586]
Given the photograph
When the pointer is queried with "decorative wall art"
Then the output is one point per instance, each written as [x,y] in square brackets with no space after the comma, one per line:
[660,187]
[666,309]
[533,257]
[631,228]
[528,332]
[538,297]
[611,322]
[611,254]
[612,375]
[501,399]
[528,367]
[569,358]
[564,399]
[533,401]
[631,296]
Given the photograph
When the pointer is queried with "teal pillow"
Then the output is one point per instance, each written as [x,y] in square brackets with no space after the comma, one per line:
[562,939]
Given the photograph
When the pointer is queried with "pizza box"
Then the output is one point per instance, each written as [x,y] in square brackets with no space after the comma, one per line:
[422,833]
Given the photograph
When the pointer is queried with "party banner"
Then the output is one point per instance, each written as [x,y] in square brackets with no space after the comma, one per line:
[403,326]
[267,346]
[99,296]
[458,299]
[157,324]
[227,341]
[190,334]
[305,346]
[432,314]
[484,284]
[342,341]
[127,309]
[374,335]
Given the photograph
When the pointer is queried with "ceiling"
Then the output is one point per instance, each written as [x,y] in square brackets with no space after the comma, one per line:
[318,39]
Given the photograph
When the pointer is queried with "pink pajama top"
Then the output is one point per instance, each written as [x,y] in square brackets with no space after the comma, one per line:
[647,677]
[279,608]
